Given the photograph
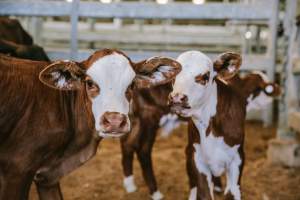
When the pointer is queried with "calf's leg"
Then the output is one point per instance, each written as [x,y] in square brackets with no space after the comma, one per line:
[217,184]
[191,172]
[49,192]
[15,186]
[204,192]
[232,191]
[144,156]
[127,164]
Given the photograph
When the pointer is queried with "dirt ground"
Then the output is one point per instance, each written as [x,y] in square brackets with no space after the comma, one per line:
[101,178]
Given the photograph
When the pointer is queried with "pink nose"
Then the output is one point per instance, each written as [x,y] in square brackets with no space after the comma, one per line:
[114,122]
[178,99]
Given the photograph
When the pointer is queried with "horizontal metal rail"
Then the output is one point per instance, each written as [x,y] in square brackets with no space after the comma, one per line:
[141,10]
[250,62]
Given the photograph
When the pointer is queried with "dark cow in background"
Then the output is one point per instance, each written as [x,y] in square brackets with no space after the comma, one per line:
[15,41]
[214,99]
[150,107]
[53,115]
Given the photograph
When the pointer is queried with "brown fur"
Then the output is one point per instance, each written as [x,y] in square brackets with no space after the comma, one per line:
[45,133]
[12,30]
[148,107]
[58,123]
[15,41]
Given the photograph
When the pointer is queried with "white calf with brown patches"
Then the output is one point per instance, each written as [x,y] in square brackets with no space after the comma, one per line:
[195,94]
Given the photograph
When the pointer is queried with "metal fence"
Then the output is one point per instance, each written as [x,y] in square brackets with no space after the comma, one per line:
[263,10]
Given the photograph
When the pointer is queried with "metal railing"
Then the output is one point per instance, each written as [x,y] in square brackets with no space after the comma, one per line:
[264,10]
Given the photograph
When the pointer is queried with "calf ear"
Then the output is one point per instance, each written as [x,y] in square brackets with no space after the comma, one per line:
[155,71]
[227,65]
[62,75]
[272,89]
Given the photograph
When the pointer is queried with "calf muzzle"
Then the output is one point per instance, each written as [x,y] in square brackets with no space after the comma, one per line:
[114,123]
[178,103]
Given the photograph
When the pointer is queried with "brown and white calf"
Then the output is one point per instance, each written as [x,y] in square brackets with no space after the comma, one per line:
[151,111]
[215,100]
[53,115]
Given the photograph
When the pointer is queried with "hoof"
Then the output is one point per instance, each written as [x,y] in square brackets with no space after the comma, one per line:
[217,189]
[129,184]
[193,194]
[157,195]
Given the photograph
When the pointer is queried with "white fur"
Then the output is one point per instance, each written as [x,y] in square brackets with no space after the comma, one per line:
[165,68]
[61,80]
[157,195]
[269,89]
[193,64]
[259,102]
[129,184]
[168,123]
[212,156]
[193,194]
[262,100]
[158,76]
[113,73]
[262,75]
[217,189]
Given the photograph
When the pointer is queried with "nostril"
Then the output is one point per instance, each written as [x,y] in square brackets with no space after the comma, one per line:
[170,99]
[183,99]
[105,121]
[123,122]
[178,98]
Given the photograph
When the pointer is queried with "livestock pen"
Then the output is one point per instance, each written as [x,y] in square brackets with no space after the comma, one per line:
[73,29]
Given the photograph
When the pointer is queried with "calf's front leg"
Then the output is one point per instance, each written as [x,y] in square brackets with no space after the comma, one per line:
[49,192]
[144,151]
[233,175]
[47,178]
[15,185]
[127,164]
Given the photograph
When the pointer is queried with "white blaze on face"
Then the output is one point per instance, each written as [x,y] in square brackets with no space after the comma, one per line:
[193,63]
[113,74]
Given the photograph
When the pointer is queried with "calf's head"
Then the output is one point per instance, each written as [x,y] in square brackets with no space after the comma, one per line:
[108,77]
[193,86]
[259,90]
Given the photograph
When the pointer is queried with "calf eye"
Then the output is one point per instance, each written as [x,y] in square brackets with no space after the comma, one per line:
[90,83]
[202,78]
[93,89]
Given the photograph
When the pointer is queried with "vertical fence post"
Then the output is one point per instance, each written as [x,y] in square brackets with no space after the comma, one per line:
[272,54]
[74,29]
[290,36]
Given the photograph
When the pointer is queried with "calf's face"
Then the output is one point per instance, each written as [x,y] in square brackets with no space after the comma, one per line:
[193,85]
[107,77]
